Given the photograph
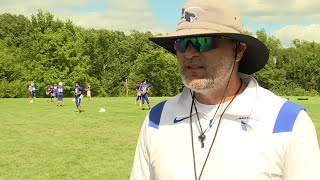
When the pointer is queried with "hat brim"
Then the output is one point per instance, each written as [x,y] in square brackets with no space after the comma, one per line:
[254,58]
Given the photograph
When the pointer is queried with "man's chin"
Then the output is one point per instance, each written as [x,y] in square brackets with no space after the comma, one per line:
[197,85]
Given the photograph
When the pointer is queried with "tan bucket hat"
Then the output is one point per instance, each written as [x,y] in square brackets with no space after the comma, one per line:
[216,18]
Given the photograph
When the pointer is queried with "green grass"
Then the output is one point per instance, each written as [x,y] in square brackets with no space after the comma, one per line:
[41,141]
[312,107]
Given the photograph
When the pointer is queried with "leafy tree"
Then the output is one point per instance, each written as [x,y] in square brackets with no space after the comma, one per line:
[161,70]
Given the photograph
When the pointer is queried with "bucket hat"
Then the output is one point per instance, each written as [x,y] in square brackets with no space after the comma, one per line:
[216,18]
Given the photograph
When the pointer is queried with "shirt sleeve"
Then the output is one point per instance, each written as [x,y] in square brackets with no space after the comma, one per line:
[142,169]
[302,158]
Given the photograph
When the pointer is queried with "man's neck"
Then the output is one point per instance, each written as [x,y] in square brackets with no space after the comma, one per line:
[219,95]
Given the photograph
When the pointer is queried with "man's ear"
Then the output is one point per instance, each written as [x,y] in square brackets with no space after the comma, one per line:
[240,50]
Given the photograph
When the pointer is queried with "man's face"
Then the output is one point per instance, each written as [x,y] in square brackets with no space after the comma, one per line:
[208,70]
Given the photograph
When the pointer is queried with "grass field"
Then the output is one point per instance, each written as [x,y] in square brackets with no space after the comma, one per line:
[41,141]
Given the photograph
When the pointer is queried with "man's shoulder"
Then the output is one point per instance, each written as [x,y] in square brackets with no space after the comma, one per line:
[165,112]
[170,103]
[268,96]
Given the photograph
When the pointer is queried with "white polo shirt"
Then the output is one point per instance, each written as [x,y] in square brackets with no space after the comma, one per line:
[261,137]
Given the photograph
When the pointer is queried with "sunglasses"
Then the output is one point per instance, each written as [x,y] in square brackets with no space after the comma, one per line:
[201,44]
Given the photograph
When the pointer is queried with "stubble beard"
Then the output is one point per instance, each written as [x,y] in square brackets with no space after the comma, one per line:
[203,86]
[211,82]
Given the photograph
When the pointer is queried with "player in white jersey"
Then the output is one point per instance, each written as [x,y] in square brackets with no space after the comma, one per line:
[60,93]
[223,125]
[88,89]
[32,92]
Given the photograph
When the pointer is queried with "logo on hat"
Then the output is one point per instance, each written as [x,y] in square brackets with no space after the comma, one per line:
[190,17]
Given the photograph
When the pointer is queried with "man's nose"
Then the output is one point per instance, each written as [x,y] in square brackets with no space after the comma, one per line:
[191,51]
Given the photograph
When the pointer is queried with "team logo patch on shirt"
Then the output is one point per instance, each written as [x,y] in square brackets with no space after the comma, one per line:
[244,122]
[245,126]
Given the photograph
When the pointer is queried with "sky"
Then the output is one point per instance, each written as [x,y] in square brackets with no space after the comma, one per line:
[284,19]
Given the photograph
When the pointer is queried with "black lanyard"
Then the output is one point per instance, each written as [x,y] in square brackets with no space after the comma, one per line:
[202,133]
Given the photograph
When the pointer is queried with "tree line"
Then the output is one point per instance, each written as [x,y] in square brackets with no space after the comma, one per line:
[45,50]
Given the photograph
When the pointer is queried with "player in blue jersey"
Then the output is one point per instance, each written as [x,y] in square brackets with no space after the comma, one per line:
[144,89]
[138,100]
[55,91]
[78,96]
[60,91]
[49,91]
[32,91]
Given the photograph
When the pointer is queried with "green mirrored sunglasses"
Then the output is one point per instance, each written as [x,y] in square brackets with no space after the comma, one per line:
[201,44]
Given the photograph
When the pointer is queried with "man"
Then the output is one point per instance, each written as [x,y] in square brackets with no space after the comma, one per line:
[138,100]
[88,89]
[144,90]
[78,96]
[60,91]
[49,92]
[32,92]
[223,125]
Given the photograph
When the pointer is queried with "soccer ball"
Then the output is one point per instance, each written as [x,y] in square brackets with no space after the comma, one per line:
[102,110]
[31,101]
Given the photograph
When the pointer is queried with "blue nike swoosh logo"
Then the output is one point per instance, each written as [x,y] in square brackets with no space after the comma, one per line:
[176,120]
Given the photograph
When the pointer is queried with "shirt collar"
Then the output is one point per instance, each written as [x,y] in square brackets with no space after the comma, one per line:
[243,104]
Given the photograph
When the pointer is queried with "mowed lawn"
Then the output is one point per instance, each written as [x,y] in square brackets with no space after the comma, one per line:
[42,141]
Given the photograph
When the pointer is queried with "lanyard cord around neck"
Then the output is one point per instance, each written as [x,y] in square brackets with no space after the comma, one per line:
[215,135]
[202,136]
